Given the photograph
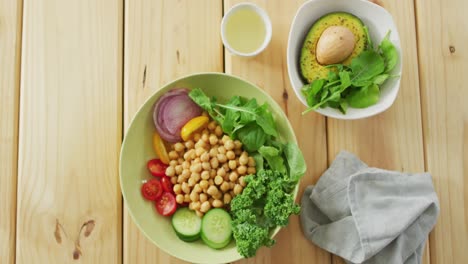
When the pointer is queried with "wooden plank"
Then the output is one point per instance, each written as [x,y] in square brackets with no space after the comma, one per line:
[269,71]
[69,202]
[164,40]
[391,140]
[442,38]
[10,54]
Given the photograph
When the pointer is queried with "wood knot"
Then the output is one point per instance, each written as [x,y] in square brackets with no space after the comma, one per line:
[452,49]
[285,95]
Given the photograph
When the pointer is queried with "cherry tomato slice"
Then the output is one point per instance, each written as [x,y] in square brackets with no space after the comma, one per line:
[151,190]
[166,205]
[157,168]
[160,148]
[167,184]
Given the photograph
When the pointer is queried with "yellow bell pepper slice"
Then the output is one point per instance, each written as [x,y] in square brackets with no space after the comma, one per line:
[193,125]
[160,148]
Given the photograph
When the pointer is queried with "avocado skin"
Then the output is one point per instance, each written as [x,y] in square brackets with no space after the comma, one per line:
[311,69]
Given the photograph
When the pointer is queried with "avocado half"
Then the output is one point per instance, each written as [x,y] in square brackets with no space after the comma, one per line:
[311,69]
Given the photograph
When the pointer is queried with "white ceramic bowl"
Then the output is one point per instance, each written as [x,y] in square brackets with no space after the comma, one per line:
[266,20]
[378,21]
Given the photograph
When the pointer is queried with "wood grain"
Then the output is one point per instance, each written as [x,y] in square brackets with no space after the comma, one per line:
[442,38]
[164,40]
[10,54]
[70,132]
[392,140]
[269,71]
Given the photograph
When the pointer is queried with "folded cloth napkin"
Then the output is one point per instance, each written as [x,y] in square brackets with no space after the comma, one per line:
[369,215]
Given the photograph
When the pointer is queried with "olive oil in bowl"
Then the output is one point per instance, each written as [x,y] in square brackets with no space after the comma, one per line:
[246,30]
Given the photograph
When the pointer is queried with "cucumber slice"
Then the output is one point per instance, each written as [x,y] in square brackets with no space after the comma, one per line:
[216,229]
[186,224]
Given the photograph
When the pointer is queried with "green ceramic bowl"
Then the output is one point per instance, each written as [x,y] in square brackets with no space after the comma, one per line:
[137,150]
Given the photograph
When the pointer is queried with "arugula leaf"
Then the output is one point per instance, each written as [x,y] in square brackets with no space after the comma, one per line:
[199,97]
[364,96]
[345,80]
[231,116]
[380,79]
[265,120]
[258,160]
[252,137]
[343,107]
[370,45]
[367,65]
[389,53]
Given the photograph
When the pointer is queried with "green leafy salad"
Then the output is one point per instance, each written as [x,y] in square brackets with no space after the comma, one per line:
[356,85]
[267,201]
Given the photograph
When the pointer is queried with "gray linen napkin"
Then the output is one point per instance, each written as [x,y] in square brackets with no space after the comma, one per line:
[369,215]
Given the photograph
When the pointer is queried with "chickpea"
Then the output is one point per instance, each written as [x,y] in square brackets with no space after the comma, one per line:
[218,131]
[231,185]
[222,158]
[206,165]
[226,167]
[178,169]
[185,173]
[195,176]
[212,174]
[222,150]
[233,176]
[243,160]
[197,160]
[185,165]
[213,139]
[200,144]
[237,144]
[242,181]
[205,175]
[211,200]
[205,157]
[251,170]
[180,161]
[218,195]
[187,198]
[199,151]
[190,206]
[224,186]
[221,172]
[189,144]
[185,187]
[232,164]
[205,138]
[251,162]
[237,189]
[177,189]
[225,138]
[210,182]
[217,203]
[179,147]
[212,125]
[196,167]
[196,206]
[205,206]
[237,152]
[203,197]
[229,144]
[230,155]
[214,163]
[191,182]
[194,196]
[204,184]
[218,180]
[232,193]
[205,131]
[173,155]
[199,214]
[212,190]
[227,198]
[179,198]
[197,188]
[170,171]
[180,179]
[196,137]
[174,180]
[242,170]
[173,163]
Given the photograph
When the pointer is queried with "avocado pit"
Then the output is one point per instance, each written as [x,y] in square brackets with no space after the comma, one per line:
[335,45]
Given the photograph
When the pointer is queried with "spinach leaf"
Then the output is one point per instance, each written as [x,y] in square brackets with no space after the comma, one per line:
[366,66]
[252,137]
[295,160]
[389,53]
[273,157]
[343,107]
[380,79]
[258,160]
[364,96]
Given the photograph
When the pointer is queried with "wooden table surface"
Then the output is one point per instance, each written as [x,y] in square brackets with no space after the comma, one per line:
[73,73]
